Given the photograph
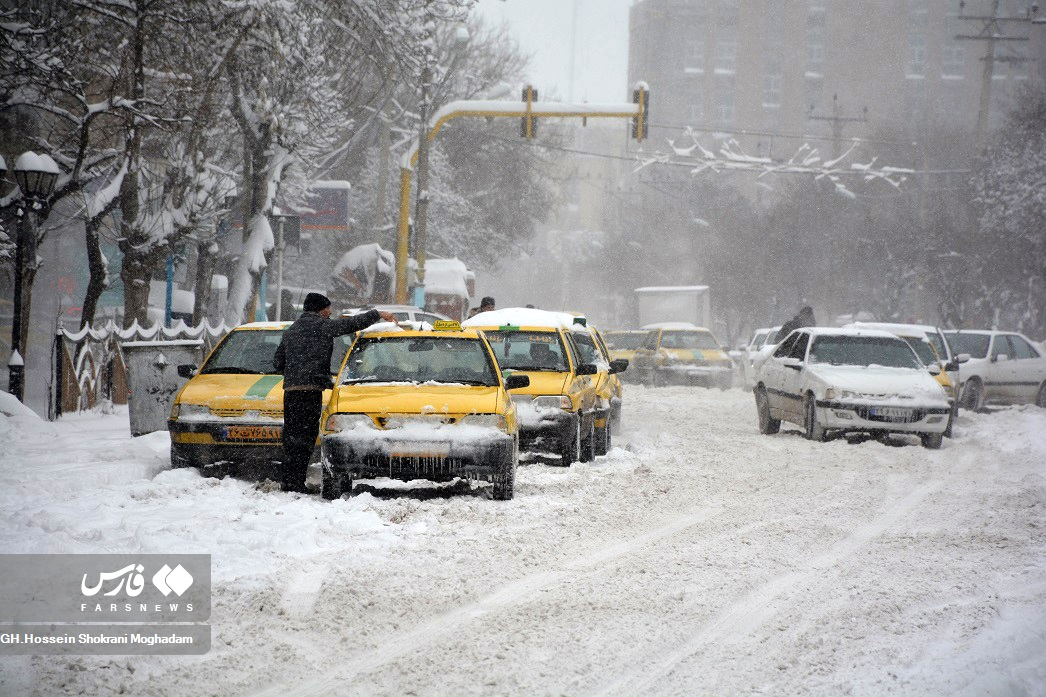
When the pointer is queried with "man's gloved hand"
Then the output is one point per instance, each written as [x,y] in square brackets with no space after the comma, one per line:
[387,316]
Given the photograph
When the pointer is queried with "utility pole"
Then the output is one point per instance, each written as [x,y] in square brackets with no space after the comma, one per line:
[838,121]
[422,206]
[991,32]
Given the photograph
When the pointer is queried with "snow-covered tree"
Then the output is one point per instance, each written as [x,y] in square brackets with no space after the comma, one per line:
[1009,254]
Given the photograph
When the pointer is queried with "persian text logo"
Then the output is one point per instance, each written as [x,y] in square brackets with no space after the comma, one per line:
[166,580]
[132,574]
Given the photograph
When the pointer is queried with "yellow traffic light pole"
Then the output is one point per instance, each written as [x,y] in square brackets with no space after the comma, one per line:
[528,111]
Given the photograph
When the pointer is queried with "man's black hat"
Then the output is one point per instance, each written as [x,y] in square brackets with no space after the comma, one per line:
[487,302]
[314,302]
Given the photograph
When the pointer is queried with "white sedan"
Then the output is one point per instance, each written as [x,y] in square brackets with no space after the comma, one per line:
[1003,367]
[834,381]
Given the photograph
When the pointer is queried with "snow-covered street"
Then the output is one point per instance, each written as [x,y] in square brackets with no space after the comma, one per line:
[699,557]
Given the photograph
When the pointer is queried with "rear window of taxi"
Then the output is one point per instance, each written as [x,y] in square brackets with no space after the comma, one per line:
[529,350]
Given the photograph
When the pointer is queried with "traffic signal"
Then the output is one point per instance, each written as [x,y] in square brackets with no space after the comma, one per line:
[641,121]
[528,125]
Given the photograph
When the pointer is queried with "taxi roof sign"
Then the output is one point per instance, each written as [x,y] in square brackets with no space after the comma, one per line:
[446,325]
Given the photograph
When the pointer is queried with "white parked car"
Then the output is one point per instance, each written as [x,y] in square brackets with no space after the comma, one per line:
[761,337]
[931,347]
[1004,367]
[402,313]
[834,381]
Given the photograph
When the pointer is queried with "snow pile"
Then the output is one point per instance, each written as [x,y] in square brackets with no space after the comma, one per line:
[11,407]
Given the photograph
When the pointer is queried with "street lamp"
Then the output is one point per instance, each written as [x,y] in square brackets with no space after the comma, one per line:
[35,176]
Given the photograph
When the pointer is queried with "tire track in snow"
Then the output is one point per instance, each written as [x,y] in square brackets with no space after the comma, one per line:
[736,622]
[515,593]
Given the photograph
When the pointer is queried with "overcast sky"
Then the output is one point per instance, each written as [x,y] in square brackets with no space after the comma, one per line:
[544,30]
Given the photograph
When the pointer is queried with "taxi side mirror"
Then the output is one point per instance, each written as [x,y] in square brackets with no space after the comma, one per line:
[586,369]
[517,381]
[619,365]
[186,371]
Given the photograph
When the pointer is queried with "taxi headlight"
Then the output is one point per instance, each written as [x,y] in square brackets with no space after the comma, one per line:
[486,420]
[553,402]
[348,422]
[190,411]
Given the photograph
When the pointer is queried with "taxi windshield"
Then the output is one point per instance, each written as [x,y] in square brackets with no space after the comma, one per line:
[688,340]
[419,359]
[245,352]
[522,350]
[626,341]
[863,351]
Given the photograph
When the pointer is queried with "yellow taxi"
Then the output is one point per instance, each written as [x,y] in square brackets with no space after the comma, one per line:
[681,353]
[623,343]
[618,366]
[609,391]
[421,404]
[559,410]
[230,412]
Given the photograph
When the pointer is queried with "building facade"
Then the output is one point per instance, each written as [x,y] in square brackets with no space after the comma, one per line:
[777,72]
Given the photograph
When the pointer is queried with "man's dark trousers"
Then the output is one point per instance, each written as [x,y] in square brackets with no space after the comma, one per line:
[301,425]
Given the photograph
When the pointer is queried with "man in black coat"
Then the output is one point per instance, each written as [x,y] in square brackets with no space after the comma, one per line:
[805,318]
[303,357]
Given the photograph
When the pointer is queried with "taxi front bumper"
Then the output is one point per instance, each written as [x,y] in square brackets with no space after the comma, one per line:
[696,373]
[551,426]
[204,443]
[385,454]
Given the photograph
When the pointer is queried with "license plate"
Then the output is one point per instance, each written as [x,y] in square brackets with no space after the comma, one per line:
[892,412]
[266,433]
[418,449]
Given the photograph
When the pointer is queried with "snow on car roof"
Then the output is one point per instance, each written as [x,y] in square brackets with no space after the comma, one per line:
[446,277]
[524,317]
[898,328]
[983,332]
[849,331]
[263,325]
[673,325]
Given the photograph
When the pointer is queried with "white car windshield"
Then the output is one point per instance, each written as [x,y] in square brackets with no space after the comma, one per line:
[974,344]
[863,351]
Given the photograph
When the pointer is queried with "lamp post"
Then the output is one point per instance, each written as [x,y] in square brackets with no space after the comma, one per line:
[35,176]
[461,38]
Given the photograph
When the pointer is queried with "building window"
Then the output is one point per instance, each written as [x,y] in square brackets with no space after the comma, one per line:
[815,29]
[814,89]
[694,60]
[726,55]
[724,103]
[697,112]
[916,55]
[727,12]
[953,61]
[772,85]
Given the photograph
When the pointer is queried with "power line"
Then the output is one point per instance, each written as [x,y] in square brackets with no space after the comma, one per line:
[691,165]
